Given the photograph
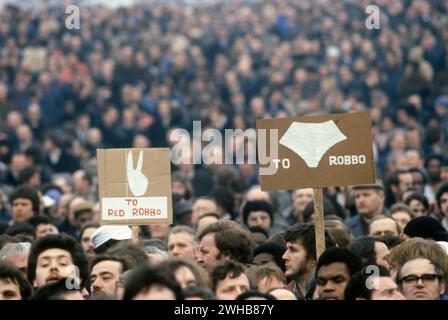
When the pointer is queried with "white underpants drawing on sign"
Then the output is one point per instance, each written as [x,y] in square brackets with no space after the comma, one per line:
[310,141]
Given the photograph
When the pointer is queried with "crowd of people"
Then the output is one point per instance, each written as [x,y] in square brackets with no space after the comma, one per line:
[128,77]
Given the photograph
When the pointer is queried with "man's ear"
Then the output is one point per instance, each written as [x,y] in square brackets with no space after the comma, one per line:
[225,256]
[442,286]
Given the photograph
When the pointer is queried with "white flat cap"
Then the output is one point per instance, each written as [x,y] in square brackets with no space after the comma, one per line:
[106,233]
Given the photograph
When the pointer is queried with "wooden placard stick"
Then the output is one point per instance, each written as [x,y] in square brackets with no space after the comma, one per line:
[135,234]
[319,226]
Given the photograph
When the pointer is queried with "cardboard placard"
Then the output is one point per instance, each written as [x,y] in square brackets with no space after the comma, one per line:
[135,186]
[317,151]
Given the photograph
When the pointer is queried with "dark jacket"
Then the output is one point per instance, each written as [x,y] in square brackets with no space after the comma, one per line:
[356,225]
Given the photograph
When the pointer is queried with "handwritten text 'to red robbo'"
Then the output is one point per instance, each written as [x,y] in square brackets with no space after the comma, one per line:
[115,213]
[132,202]
[145,212]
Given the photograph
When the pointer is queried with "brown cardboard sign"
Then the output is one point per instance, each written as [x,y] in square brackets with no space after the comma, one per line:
[315,151]
[135,186]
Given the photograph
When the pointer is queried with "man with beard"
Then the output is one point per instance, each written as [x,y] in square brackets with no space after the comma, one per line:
[300,257]
[105,273]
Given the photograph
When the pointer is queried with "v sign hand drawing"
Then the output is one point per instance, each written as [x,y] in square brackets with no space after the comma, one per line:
[137,181]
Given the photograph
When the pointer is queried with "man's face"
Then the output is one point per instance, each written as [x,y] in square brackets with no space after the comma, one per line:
[405,182]
[52,265]
[383,227]
[428,287]
[22,210]
[209,251]
[418,208]
[387,290]
[301,198]
[156,292]
[434,167]
[260,219]
[263,258]
[296,260]
[45,228]
[104,277]
[181,245]
[86,243]
[269,282]
[185,277]
[417,181]
[414,159]
[78,181]
[402,218]
[159,231]
[444,204]
[444,174]
[332,280]
[230,288]
[19,261]
[369,202]
[381,251]
[202,206]
[83,218]
[9,290]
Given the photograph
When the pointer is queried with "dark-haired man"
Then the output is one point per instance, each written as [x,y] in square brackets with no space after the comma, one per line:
[105,272]
[229,280]
[25,203]
[258,213]
[151,283]
[42,226]
[54,257]
[333,271]
[442,202]
[300,257]
[13,284]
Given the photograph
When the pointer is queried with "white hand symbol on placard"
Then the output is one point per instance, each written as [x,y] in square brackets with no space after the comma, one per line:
[137,181]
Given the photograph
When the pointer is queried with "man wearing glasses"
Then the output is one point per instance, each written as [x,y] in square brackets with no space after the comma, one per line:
[421,279]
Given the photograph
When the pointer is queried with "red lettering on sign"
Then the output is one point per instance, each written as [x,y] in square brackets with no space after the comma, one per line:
[115,213]
[145,212]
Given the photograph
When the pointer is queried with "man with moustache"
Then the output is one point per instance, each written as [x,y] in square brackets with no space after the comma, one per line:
[105,273]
